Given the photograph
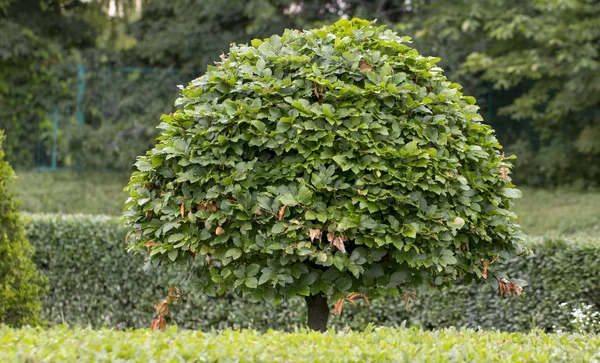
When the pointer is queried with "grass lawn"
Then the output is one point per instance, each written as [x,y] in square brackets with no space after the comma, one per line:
[542,212]
[69,192]
[62,344]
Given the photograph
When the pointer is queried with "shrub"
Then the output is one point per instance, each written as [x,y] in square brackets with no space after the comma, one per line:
[21,286]
[373,345]
[92,279]
[321,163]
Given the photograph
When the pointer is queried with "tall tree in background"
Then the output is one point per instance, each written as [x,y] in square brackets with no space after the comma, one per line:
[192,34]
[27,79]
[546,54]
[40,42]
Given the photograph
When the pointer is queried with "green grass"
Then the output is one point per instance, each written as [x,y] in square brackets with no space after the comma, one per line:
[542,212]
[67,192]
[381,345]
[559,212]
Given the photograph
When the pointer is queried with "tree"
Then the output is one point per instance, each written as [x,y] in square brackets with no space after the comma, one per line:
[323,163]
[21,286]
[544,54]
[41,44]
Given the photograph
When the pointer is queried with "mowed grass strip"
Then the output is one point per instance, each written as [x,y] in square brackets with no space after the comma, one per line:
[71,193]
[63,344]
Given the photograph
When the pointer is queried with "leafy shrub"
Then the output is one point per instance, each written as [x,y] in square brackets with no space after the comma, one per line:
[321,163]
[21,285]
[373,345]
[91,278]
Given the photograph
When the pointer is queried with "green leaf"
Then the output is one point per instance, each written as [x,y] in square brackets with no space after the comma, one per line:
[176,237]
[304,290]
[343,283]
[278,227]
[143,165]
[456,223]
[251,282]
[511,193]
[234,253]
[288,199]
[305,195]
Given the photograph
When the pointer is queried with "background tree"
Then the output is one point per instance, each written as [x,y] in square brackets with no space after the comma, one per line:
[323,163]
[544,56]
[21,285]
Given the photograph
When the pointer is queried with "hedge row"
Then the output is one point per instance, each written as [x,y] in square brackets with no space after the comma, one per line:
[374,345]
[93,278]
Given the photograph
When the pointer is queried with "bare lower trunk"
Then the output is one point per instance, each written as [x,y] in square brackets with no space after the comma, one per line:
[318,312]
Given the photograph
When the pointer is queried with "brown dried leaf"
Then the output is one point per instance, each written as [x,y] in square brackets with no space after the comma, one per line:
[259,212]
[503,172]
[339,244]
[174,294]
[339,305]
[182,209]
[162,308]
[365,67]
[159,323]
[408,296]
[212,206]
[281,213]
[330,236]
[506,287]
[316,92]
[208,206]
[219,231]
[150,244]
[314,233]
[485,268]
[356,295]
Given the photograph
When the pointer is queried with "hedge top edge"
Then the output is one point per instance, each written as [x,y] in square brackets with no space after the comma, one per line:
[326,161]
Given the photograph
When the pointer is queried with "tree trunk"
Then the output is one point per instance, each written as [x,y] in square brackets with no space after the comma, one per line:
[318,312]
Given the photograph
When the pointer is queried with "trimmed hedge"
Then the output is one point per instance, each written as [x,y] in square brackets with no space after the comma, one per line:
[92,277]
[374,345]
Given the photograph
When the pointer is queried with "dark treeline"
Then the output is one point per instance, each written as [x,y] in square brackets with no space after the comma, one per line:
[83,83]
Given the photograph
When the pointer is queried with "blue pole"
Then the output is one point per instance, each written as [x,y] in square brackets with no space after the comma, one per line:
[79,112]
[55,139]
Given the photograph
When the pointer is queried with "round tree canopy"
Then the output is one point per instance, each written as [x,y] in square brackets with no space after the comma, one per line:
[330,161]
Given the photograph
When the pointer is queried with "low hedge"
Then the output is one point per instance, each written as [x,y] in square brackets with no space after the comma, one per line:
[374,345]
[92,278]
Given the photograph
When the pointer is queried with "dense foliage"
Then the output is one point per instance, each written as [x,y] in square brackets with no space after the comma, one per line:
[533,64]
[328,161]
[28,82]
[373,345]
[21,286]
[542,59]
[92,279]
